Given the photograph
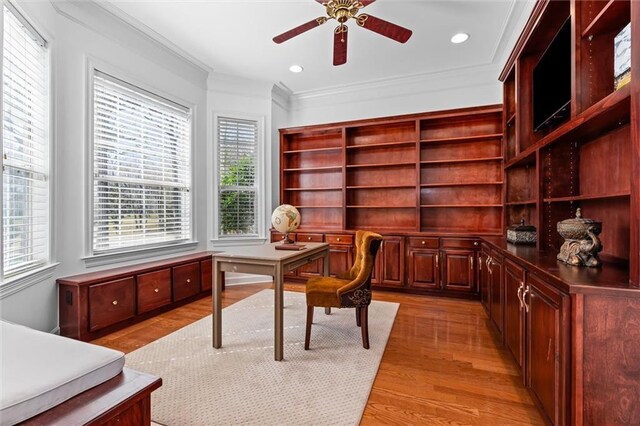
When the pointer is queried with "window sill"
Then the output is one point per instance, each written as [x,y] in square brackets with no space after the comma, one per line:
[110,258]
[27,279]
[234,242]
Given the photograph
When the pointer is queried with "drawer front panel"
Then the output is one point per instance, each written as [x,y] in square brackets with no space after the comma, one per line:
[154,290]
[309,238]
[339,239]
[111,302]
[278,236]
[418,242]
[206,274]
[186,280]
[463,243]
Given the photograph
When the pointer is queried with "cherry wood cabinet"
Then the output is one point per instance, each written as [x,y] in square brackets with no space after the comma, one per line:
[496,289]
[154,290]
[390,263]
[97,303]
[205,274]
[590,159]
[186,280]
[458,271]
[573,334]
[424,269]
[111,302]
[485,285]
[514,312]
[547,337]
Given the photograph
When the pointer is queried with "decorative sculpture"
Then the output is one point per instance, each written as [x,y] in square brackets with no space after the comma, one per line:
[581,245]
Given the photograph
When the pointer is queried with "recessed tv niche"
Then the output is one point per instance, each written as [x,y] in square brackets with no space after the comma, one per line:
[552,81]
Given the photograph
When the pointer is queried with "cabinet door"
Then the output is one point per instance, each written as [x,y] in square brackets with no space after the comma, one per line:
[514,314]
[458,272]
[111,302]
[423,268]
[485,285]
[340,259]
[186,280]
[497,291]
[391,266]
[547,340]
[154,290]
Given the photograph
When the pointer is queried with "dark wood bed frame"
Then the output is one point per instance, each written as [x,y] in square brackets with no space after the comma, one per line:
[124,400]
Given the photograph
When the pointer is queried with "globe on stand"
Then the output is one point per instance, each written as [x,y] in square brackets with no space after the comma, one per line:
[286,219]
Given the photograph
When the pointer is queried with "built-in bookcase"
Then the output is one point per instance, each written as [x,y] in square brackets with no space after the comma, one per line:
[437,173]
[312,176]
[587,159]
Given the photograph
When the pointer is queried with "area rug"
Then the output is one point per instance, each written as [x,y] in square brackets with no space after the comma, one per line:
[241,383]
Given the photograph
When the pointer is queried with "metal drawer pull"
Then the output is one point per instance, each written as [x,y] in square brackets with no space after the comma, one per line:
[424,242]
[338,239]
[471,262]
[188,280]
[524,295]
[157,290]
[475,243]
[309,238]
[115,302]
[489,262]
[520,294]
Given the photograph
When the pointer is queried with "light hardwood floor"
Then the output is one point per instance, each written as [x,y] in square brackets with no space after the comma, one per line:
[441,366]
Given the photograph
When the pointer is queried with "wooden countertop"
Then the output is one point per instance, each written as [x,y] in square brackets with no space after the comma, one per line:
[611,278]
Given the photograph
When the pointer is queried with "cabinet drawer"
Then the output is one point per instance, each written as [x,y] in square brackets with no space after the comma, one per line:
[309,238]
[186,280]
[206,277]
[154,290]
[464,243]
[418,242]
[339,239]
[278,236]
[111,302]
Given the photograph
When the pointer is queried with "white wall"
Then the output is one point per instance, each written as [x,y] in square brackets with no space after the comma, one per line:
[407,95]
[133,56]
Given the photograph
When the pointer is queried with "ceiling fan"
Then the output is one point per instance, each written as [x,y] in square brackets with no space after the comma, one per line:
[342,11]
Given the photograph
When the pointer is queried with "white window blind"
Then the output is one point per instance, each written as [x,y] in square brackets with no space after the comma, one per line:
[141,167]
[237,192]
[25,190]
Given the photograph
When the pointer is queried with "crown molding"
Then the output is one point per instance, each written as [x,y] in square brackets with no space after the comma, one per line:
[398,87]
[513,26]
[281,95]
[110,22]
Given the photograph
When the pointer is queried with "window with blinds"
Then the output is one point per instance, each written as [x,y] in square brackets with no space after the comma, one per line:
[141,167]
[237,190]
[25,146]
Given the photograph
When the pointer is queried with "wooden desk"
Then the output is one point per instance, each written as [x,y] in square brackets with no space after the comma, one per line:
[262,260]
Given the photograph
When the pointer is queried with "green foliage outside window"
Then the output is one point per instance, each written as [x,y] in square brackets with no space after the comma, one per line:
[237,206]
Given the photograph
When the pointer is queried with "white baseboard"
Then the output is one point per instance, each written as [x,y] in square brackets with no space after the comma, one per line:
[55,330]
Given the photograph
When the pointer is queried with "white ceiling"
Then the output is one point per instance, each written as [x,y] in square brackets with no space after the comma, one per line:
[234,37]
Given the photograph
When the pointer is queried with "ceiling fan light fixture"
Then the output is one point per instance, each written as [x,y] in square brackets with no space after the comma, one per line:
[459,38]
[296,68]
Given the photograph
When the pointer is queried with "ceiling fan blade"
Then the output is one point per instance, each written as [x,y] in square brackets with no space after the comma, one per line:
[382,27]
[340,45]
[299,29]
[366,3]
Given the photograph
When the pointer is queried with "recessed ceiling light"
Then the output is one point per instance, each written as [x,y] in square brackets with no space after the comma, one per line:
[295,68]
[460,38]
